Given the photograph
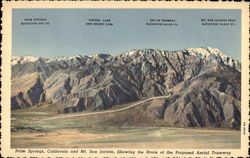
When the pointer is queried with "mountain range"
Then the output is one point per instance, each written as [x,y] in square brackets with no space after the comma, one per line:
[202,84]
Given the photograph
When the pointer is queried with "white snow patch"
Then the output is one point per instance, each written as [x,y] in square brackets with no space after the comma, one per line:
[22,59]
[214,55]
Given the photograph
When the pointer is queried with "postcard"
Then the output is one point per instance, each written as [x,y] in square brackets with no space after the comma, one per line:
[125,79]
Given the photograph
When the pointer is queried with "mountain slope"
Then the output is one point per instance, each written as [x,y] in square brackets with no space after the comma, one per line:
[204,84]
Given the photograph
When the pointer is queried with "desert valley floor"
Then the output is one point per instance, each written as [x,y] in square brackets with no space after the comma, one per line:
[40,127]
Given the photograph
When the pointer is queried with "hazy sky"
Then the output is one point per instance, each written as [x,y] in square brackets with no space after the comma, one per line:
[68,35]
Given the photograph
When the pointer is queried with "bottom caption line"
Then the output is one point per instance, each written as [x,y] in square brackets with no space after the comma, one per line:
[119,151]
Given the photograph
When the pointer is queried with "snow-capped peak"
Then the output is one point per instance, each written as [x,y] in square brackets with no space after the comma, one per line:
[100,55]
[77,58]
[208,54]
[129,53]
[135,52]
[214,55]
[205,52]
[66,58]
[23,59]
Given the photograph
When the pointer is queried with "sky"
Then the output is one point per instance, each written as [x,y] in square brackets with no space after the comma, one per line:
[67,33]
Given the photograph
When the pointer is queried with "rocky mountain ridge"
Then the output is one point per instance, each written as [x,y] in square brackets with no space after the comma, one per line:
[204,84]
[205,53]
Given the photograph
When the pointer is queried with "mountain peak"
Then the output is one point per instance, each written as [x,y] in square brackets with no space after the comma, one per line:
[137,52]
[205,51]
[100,55]
[214,55]
[22,59]
[210,54]
[66,58]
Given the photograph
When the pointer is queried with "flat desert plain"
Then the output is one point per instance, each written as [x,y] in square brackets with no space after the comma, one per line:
[41,127]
